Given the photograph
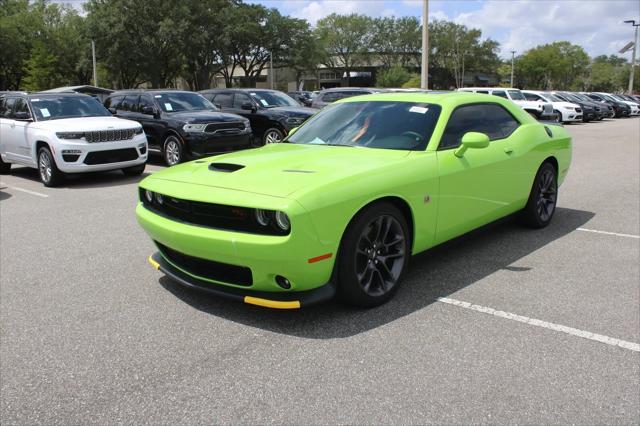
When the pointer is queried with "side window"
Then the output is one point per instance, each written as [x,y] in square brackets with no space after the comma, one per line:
[3,108]
[239,99]
[130,103]
[145,101]
[330,97]
[113,102]
[8,112]
[500,93]
[225,100]
[531,97]
[21,106]
[486,92]
[490,119]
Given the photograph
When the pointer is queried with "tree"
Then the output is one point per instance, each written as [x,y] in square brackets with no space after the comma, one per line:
[397,41]
[395,76]
[346,40]
[458,49]
[558,65]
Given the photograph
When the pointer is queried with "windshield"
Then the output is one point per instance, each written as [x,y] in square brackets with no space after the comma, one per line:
[573,97]
[58,107]
[516,95]
[385,125]
[550,97]
[183,101]
[272,99]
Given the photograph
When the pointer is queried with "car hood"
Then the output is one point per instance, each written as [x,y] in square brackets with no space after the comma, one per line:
[564,105]
[531,104]
[292,111]
[86,124]
[280,170]
[203,116]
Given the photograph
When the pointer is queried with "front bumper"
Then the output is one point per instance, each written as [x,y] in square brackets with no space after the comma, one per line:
[201,144]
[81,157]
[290,300]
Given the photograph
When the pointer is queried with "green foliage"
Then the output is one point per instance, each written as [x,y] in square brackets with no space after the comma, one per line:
[555,66]
[395,76]
[459,50]
[397,41]
[414,82]
[345,39]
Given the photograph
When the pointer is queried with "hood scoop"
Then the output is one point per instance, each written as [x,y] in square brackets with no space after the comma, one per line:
[225,167]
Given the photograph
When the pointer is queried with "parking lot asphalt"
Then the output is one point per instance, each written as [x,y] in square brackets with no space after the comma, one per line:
[505,325]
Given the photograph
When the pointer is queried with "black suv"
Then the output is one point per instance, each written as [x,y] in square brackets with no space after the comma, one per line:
[179,124]
[620,109]
[271,113]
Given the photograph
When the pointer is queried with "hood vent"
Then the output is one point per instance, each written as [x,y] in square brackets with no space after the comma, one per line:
[225,167]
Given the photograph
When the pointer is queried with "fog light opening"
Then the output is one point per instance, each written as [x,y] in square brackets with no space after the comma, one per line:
[283,282]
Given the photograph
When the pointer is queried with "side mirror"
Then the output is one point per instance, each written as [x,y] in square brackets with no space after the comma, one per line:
[248,106]
[112,110]
[474,140]
[24,116]
[148,110]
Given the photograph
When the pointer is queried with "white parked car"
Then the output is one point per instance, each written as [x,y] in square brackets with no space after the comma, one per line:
[540,110]
[67,133]
[566,112]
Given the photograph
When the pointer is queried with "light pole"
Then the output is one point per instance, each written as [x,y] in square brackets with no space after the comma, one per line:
[424,77]
[93,53]
[271,68]
[633,55]
[513,55]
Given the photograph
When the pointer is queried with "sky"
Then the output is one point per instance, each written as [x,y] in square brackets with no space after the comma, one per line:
[596,25]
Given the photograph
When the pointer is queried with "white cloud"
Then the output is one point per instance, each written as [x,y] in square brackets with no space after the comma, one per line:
[315,10]
[520,25]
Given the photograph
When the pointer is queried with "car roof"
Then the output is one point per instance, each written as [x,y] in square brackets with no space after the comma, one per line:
[488,88]
[351,89]
[239,89]
[439,98]
[134,91]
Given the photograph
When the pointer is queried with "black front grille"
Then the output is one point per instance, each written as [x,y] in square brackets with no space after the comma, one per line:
[578,110]
[217,216]
[109,135]
[228,127]
[209,269]
[111,156]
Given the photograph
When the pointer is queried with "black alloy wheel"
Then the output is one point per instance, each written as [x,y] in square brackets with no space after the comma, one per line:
[543,198]
[373,256]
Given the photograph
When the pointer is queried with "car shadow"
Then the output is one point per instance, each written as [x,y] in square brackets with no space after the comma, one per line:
[82,180]
[4,195]
[438,272]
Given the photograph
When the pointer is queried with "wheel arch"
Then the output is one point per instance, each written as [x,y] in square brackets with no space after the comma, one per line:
[553,161]
[40,143]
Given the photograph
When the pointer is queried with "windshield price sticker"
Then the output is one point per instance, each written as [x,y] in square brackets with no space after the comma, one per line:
[168,106]
[420,110]
[157,96]
[45,112]
[265,103]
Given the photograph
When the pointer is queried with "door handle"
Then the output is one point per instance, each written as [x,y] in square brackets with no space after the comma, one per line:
[508,150]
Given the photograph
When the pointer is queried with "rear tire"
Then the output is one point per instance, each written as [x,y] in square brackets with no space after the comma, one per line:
[5,168]
[135,170]
[374,255]
[543,198]
[50,175]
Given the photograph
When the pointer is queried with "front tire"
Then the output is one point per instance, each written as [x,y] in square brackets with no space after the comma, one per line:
[172,151]
[558,117]
[135,170]
[374,255]
[272,135]
[543,198]
[50,175]
[5,168]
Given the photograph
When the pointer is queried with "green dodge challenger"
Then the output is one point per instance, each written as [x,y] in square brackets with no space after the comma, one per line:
[342,204]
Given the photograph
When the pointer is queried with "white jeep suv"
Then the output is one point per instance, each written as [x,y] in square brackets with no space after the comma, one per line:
[67,133]
[540,110]
[566,112]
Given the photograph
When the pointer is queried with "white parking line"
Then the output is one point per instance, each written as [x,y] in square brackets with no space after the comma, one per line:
[27,191]
[608,233]
[544,324]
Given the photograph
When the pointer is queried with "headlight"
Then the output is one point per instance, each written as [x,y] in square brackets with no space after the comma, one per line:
[262,217]
[295,121]
[70,135]
[138,130]
[194,127]
[148,195]
[282,220]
